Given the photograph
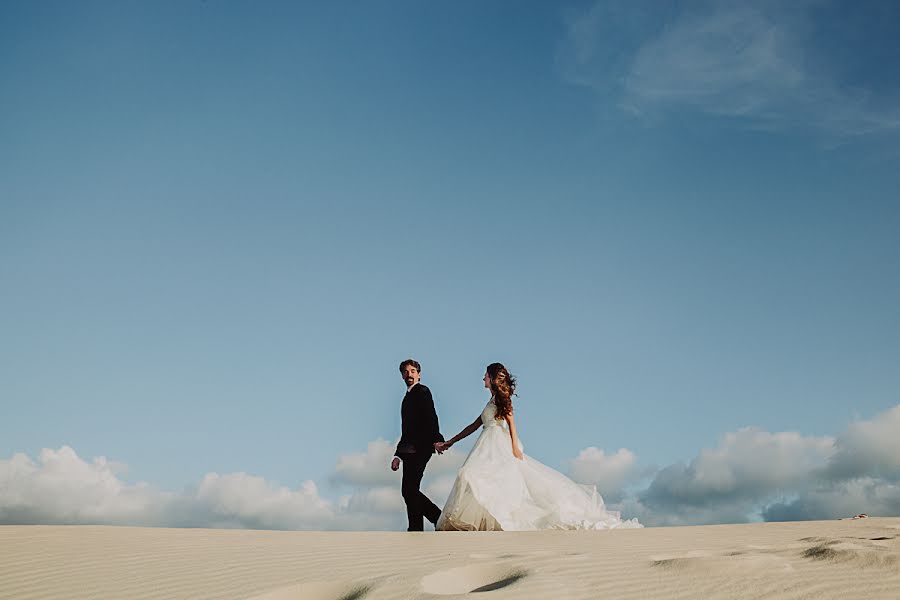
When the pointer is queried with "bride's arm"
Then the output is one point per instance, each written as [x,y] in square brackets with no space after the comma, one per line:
[514,437]
[469,430]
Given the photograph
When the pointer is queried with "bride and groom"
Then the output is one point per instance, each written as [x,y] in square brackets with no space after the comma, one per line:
[498,487]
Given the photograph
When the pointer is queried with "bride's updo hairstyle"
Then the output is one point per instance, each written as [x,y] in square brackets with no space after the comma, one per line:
[503,386]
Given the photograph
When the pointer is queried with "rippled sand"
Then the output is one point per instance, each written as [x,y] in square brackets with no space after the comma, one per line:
[815,560]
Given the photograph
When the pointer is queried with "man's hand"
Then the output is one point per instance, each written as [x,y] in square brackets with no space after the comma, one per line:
[395,464]
[439,447]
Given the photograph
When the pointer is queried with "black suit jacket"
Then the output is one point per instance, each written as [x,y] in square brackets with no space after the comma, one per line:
[419,422]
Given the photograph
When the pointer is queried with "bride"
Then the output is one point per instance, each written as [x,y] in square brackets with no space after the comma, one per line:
[499,488]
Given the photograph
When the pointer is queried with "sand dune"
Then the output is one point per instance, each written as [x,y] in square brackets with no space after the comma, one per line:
[814,560]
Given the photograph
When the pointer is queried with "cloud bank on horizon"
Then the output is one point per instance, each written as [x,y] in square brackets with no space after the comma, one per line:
[749,475]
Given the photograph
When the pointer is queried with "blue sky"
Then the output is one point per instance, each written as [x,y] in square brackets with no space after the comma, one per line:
[224,224]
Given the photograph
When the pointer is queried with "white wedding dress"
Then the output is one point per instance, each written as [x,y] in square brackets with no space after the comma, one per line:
[495,491]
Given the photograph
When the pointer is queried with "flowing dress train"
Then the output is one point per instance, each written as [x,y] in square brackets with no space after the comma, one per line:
[495,491]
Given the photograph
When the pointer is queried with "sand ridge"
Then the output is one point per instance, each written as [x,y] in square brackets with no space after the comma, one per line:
[815,559]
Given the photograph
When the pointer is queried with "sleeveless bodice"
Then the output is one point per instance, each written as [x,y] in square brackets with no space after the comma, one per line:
[489,416]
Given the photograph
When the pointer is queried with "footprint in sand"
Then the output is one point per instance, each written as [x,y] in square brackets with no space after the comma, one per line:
[317,590]
[853,554]
[679,560]
[472,579]
[733,561]
[527,554]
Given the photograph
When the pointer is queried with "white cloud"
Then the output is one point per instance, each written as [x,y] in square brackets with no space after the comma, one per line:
[863,475]
[724,511]
[609,472]
[377,500]
[747,462]
[869,448]
[367,468]
[375,508]
[242,500]
[733,481]
[747,61]
[61,487]
[873,496]
[731,60]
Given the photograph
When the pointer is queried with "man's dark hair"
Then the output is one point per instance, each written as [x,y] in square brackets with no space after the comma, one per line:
[411,362]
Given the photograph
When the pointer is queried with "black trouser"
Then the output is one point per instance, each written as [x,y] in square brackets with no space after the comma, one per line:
[417,504]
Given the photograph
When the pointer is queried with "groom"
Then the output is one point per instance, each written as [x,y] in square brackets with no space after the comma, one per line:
[419,433]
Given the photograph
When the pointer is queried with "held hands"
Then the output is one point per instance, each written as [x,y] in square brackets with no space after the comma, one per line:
[395,464]
[441,447]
